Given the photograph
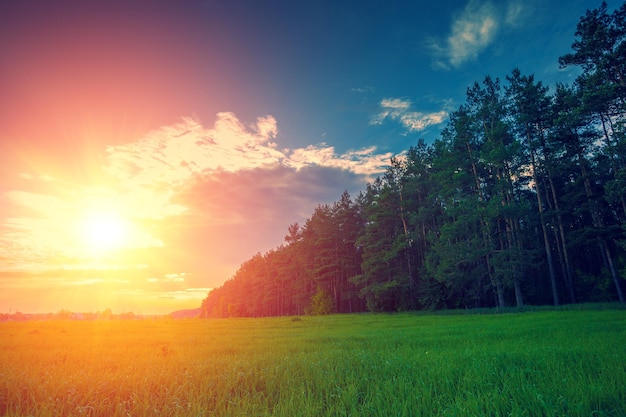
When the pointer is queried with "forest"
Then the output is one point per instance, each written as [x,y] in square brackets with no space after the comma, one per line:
[521,200]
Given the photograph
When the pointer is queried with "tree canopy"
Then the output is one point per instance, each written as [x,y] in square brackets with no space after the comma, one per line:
[521,200]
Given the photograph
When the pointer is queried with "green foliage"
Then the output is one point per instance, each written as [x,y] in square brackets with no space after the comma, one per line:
[551,363]
[322,303]
[521,200]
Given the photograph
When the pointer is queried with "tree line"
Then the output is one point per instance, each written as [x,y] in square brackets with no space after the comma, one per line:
[522,199]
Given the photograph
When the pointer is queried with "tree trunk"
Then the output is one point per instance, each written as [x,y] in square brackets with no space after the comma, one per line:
[544,228]
[609,258]
[598,224]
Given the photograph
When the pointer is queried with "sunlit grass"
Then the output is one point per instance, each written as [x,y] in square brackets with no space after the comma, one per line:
[541,363]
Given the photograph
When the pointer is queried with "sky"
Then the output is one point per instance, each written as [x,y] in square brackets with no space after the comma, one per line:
[148,148]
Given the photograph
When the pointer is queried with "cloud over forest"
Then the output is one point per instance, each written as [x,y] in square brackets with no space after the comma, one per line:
[474,29]
[400,110]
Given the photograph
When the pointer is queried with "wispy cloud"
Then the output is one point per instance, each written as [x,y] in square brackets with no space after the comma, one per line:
[517,11]
[474,29]
[172,155]
[366,162]
[399,110]
[362,89]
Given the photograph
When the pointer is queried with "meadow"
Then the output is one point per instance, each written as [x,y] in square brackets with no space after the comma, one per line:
[541,363]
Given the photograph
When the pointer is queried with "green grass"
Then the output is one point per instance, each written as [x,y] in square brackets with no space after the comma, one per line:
[541,363]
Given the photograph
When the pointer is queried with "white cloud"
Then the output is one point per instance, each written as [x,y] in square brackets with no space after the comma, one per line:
[187,293]
[361,90]
[416,121]
[395,103]
[517,11]
[364,162]
[399,110]
[471,33]
[474,29]
[170,156]
[175,277]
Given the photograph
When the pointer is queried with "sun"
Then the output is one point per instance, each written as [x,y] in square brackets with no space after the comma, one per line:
[103,231]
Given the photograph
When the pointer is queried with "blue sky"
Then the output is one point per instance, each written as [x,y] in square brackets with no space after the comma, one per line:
[199,130]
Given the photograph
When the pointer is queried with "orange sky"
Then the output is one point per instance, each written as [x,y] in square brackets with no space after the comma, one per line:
[118,189]
[149,147]
[152,224]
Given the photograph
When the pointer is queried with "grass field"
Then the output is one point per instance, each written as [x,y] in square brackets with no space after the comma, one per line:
[553,363]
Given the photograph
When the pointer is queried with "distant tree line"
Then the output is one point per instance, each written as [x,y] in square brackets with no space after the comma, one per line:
[521,200]
[64,314]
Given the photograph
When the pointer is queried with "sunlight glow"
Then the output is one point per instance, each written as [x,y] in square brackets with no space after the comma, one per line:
[104,231]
